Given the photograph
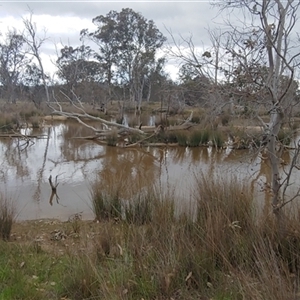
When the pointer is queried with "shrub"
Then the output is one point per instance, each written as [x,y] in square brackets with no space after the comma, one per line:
[7,123]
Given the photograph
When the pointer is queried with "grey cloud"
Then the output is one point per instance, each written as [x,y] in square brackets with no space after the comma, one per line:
[183,18]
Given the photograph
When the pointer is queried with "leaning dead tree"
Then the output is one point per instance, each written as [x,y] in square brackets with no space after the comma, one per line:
[107,128]
[81,115]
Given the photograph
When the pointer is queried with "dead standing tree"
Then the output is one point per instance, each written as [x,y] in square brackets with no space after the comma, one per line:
[35,43]
[267,38]
[256,60]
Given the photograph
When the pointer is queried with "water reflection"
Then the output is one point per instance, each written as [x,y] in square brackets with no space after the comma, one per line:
[76,163]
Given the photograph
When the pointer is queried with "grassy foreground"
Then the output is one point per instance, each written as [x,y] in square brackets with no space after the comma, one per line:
[223,252]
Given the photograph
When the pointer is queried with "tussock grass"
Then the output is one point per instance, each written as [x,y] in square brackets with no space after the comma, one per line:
[224,251]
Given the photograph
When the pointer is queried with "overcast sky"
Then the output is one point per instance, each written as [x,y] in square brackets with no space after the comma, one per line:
[63,20]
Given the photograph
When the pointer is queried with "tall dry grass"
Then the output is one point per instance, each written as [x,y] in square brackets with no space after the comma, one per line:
[144,250]
[225,252]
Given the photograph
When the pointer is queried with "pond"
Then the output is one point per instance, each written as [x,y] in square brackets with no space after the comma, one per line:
[76,163]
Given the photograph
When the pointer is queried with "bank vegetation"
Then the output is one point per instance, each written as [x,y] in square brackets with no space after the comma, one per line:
[223,247]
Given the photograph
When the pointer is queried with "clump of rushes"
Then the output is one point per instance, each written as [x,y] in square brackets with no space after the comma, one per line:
[7,215]
[217,139]
[139,210]
[205,134]
[195,138]
[112,139]
[171,137]
[106,203]
[182,138]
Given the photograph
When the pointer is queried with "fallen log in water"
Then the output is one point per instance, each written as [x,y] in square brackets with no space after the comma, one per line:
[17,135]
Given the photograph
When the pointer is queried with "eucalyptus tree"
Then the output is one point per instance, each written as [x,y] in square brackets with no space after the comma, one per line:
[127,48]
[77,68]
[33,84]
[13,61]
[194,87]
[200,71]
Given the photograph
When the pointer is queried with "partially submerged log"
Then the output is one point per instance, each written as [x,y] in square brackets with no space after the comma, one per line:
[19,135]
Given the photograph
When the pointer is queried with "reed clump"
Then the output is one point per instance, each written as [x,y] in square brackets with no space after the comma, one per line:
[106,204]
[112,139]
[7,216]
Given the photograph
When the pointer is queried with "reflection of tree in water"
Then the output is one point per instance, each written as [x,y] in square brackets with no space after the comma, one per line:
[128,171]
[40,173]
[14,158]
[131,168]
[73,149]
[79,152]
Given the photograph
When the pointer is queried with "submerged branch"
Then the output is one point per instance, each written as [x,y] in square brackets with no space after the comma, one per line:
[53,190]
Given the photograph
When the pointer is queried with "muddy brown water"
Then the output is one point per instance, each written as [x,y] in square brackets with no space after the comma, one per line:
[25,170]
